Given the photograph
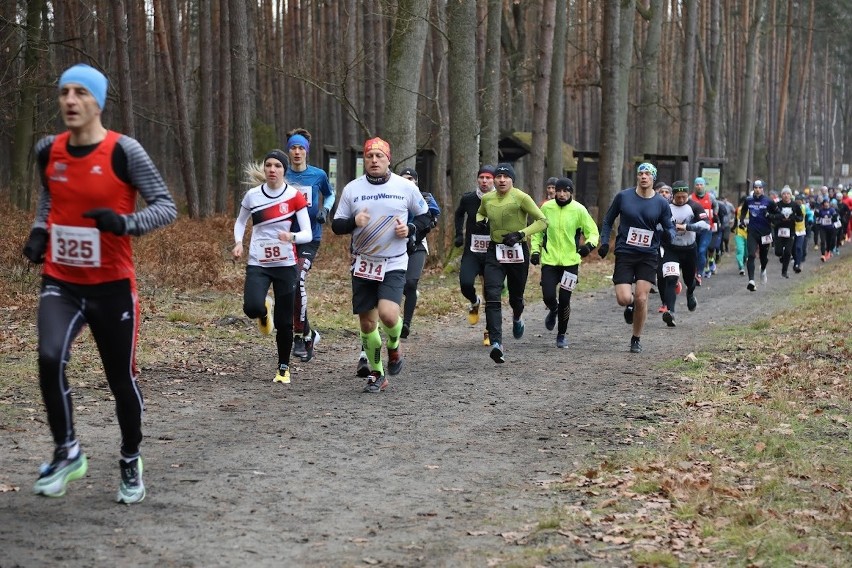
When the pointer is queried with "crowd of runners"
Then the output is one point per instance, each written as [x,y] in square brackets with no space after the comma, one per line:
[668,237]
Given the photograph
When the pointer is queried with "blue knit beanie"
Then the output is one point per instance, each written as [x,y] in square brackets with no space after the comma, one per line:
[93,80]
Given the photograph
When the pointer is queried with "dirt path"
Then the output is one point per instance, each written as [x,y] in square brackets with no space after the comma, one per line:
[457,451]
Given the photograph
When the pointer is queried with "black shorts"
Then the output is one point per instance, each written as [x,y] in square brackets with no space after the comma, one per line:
[367,293]
[308,250]
[632,267]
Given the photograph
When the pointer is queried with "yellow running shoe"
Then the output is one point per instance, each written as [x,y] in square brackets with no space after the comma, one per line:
[473,312]
[283,374]
[486,341]
[265,322]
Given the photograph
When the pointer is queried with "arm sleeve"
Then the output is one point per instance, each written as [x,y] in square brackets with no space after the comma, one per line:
[327,192]
[539,223]
[458,219]
[609,218]
[240,224]
[42,151]
[145,177]
[306,234]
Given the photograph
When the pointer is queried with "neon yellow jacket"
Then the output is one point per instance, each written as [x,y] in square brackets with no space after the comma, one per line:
[559,248]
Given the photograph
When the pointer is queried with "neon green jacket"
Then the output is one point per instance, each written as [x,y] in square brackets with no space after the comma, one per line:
[556,245]
[507,213]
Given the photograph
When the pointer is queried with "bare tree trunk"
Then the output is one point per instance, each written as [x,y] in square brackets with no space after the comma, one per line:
[649,107]
[118,13]
[223,114]
[464,124]
[206,190]
[711,60]
[750,80]
[403,80]
[686,140]
[555,105]
[240,89]
[535,180]
[617,48]
[490,104]
[25,115]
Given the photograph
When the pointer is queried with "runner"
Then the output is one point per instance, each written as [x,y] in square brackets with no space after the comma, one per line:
[90,178]
[549,190]
[507,210]
[374,209]
[275,209]
[679,256]
[418,248]
[825,219]
[705,256]
[637,245]
[759,233]
[313,183]
[741,237]
[556,249]
[787,215]
[475,245]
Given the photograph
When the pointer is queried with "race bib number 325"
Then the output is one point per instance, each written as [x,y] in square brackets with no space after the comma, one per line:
[75,246]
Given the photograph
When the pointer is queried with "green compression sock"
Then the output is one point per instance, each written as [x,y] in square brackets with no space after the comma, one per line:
[393,333]
[372,343]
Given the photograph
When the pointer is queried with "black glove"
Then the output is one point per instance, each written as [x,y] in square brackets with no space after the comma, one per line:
[412,231]
[322,215]
[107,220]
[459,240]
[36,246]
[585,250]
[511,239]
[603,250]
[481,227]
[411,245]
[535,258]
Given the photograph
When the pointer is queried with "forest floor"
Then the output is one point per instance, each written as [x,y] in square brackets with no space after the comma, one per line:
[454,465]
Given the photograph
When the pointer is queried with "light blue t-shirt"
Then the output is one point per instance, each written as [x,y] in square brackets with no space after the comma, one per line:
[314,185]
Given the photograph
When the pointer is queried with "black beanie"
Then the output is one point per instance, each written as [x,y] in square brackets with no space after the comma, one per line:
[564,183]
[505,169]
[409,172]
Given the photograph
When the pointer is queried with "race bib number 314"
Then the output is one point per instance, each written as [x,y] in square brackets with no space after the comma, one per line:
[369,267]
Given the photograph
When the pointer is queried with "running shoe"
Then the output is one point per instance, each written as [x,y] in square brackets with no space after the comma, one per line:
[796,268]
[310,344]
[473,312]
[497,353]
[376,383]
[282,375]
[712,268]
[784,274]
[550,319]
[486,341]
[742,272]
[707,274]
[678,287]
[395,360]
[691,303]
[299,349]
[265,322]
[130,489]
[54,477]
[635,346]
[662,309]
[751,286]
[628,314]
[669,318]
[763,276]
[698,280]
[561,342]
[363,367]
[406,329]
[517,328]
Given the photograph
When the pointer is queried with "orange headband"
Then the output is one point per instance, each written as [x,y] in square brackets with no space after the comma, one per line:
[377,144]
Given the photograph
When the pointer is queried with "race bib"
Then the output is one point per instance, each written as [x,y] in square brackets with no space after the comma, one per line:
[837,224]
[766,239]
[783,232]
[510,254]
[825,221]
[307,191]
[569,281]
[639,237]
[479,243]
[75,246]
[273,252]
[369,267]
[671,269]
